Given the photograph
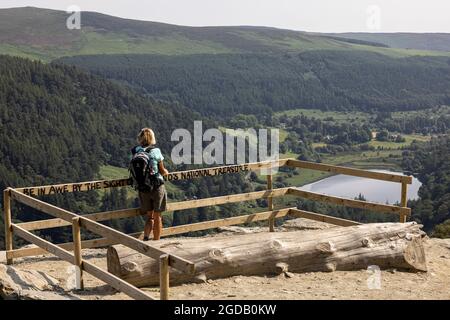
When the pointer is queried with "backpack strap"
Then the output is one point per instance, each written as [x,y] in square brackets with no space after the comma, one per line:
[150,148]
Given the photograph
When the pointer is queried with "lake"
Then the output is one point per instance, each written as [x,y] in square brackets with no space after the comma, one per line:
[373,190]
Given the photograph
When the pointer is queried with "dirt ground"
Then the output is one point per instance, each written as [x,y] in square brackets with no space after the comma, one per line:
[434,284]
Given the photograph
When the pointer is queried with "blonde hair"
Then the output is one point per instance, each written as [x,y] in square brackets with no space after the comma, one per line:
[146,137]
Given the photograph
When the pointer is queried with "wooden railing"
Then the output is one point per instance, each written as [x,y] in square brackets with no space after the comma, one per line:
[110,236]
[75,258]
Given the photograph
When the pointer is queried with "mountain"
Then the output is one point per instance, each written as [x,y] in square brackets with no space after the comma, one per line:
[59,124]
[42,34]
[222,85]
[418,41]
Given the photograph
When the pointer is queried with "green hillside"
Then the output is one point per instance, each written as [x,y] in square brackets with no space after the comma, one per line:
[416,41]
[226,84]
[42,34]
[59,124]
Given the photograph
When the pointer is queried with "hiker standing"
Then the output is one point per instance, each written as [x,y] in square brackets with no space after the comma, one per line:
[147,170]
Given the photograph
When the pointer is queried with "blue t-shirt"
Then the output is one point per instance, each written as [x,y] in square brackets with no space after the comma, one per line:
[155,156]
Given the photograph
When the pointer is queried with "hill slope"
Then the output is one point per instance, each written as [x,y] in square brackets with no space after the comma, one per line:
[256,83]
[419,41]
[59,124]
[66,118]
[42,34]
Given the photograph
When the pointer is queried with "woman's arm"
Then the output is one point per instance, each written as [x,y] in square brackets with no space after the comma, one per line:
[162,170]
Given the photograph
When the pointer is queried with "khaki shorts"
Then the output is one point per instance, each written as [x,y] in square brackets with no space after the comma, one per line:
[155,200]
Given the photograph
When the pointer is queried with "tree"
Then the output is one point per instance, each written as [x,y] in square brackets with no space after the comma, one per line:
[383,135]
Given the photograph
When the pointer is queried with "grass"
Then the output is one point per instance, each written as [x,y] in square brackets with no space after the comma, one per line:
[111,172]
[288,154]
[382,159]
[409,138]
[113,43]
[53,40]
[94,43]
[431,113]
[302,42]
[363,117]
[351,157]
[306,176]
[283,134]
[335,116]
[318,144]
[108,172]
[401,53]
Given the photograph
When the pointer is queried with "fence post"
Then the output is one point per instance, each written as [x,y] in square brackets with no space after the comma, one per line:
[404,200]
[164,277]
[77,253]
[8,228]
[270,202]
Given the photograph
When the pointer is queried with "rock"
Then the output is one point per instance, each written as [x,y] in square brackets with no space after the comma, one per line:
[18,284]
[2,256]
[289,274]
[392,271]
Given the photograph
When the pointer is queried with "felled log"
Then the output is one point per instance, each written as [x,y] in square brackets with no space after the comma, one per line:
[387,245]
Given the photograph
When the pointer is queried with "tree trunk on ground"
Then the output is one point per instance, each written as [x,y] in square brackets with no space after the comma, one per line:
[387,245]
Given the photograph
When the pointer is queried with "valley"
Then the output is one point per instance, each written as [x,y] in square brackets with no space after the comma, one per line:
[74,100]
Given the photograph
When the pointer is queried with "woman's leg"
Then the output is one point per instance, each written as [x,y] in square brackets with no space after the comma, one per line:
[157,227]
[160,205]
[146,202]
[148,225]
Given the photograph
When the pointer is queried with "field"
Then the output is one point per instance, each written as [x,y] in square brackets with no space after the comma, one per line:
[385,145]
[409,138]
[335,116]
[387,154]
[431,113]
[111,172]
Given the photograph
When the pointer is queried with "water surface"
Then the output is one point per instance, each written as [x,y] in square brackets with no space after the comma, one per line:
[373,190]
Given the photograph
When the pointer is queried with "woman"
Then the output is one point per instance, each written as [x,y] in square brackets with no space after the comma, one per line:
[153,203]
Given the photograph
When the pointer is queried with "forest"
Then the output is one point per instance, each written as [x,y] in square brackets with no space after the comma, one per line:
[78,122]
[224,85]
[59,124]
[430,163]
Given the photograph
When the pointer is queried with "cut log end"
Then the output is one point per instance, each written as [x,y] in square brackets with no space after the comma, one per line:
[415,255]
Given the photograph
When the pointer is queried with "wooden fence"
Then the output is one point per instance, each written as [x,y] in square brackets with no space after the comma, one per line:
[72,251]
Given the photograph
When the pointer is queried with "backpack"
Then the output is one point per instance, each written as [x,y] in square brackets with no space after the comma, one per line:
[143,176]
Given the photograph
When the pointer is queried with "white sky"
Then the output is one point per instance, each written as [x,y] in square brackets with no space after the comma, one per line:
[307,15]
